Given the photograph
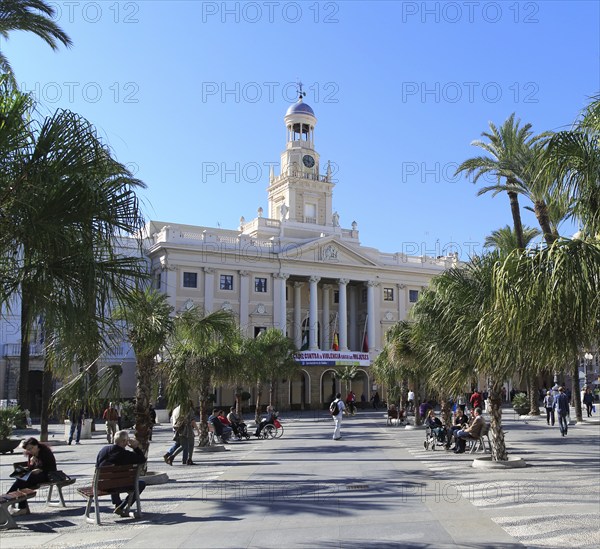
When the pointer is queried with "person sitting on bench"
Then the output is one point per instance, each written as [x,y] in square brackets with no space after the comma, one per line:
[473,431]
[221,430]
[40,462]
[116,454]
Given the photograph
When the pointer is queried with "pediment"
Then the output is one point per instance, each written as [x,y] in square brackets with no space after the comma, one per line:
[328,250]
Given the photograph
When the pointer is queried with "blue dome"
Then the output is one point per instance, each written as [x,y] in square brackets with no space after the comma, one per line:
[300,108]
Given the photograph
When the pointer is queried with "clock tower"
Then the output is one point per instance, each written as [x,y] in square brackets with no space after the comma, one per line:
[300,194]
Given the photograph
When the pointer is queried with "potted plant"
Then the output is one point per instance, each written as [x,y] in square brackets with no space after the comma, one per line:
[8,417]
[520,403]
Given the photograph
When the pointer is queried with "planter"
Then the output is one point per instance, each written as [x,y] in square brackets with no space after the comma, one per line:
[522,411]
[488,463]
[8,445]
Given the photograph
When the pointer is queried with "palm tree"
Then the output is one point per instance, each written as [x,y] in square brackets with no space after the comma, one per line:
[453,317]
[70,202]
[574,159]
[148,324]
[273,359]
[550,300]
[504,240]
[507,148]
[202,352]
[31,16]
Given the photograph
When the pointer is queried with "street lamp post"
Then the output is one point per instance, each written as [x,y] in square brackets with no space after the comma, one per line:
[588,361]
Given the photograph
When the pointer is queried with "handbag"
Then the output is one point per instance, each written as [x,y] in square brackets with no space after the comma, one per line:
[58,476]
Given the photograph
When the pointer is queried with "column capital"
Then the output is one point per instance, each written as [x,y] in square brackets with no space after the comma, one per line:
[314,279]
[208,270]
[371,283]
[327,287]
[401,286]
[283,276]
[298,284]
[244,273]
[343,281]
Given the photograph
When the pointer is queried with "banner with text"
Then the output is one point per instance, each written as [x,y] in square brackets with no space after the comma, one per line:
[332,358]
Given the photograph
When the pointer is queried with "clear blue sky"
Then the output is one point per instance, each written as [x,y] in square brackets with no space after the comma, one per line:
[180,90]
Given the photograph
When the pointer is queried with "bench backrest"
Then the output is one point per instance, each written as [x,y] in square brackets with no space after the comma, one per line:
[111,479]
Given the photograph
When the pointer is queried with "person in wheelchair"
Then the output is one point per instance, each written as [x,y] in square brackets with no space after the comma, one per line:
[268,420]
[436,427]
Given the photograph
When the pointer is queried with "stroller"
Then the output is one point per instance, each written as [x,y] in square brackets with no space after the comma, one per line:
[434,436]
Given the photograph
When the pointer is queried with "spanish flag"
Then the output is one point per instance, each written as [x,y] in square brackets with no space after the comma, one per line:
[336,344]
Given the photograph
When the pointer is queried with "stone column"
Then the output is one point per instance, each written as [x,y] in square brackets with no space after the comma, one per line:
[280,312]
[298,314]
[209,289]
[371,314]
[352,318]
[343,317]
[325,318]
[244,301]
[313,318]
[401,301]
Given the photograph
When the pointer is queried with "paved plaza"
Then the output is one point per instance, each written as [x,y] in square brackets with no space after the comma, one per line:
[376,488]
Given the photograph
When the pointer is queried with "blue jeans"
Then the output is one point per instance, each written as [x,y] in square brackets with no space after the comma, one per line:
[75,426]
[563,423]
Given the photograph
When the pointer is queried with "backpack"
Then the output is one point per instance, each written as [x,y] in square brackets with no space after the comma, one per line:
[334,408]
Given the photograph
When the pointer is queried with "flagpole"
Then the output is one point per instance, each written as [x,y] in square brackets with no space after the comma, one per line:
[335,321]
[362,343]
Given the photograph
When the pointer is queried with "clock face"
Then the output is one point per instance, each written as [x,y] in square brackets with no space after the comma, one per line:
[308,160]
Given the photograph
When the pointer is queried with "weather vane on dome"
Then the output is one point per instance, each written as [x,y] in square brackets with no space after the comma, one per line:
[301,93]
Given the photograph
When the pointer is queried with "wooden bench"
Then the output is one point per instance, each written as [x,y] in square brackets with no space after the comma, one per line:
[7,521]
[58,484]
[213,438]
[113,479]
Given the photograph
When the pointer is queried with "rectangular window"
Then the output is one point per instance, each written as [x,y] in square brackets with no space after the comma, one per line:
[259,330]
[388,294]
[190,280]
[413,295]
[336,296]
[363,295]
[226,282]
[260,285]
[158,281]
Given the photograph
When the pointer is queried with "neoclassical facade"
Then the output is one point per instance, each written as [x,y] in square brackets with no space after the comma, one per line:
[297,270]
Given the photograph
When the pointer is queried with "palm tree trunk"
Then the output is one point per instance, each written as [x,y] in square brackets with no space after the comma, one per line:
[516,215]
[46,396]
[534,397]
[446,409]
[496,433]
[404,394]
[418,400]
[575,391]
[257,407]
[541,213]
[24,356]
[204,393]
[143,390]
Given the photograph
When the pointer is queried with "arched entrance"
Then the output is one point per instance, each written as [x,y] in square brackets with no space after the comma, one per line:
[300,391]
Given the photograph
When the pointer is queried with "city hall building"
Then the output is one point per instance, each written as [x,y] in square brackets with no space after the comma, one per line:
[296,269]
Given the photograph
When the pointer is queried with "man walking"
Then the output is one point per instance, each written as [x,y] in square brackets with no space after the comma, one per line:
[111,417]
[337,409]
[561,403]
[75,415]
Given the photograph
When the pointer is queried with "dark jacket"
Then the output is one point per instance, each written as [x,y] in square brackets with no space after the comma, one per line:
[115,455]
[561,403]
